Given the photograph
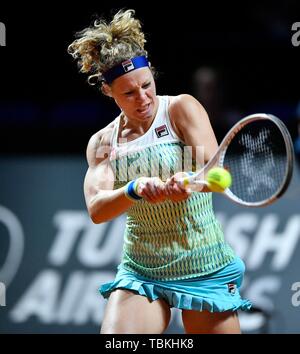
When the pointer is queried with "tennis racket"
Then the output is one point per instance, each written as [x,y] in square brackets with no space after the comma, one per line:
[258,153]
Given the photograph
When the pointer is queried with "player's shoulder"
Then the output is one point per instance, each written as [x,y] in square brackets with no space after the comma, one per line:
[102,136]
[99,142]
[184,106]
[182,101]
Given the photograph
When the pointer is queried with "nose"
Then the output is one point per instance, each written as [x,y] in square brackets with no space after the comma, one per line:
[141,96]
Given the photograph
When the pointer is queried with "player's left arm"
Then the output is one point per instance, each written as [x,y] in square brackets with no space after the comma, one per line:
[192,123]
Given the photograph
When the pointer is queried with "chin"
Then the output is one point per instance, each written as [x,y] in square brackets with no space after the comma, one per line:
[147,117]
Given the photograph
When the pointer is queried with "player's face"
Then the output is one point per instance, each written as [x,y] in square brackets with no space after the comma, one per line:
[135,94]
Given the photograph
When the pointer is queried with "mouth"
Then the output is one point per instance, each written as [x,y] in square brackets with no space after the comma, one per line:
[143,109]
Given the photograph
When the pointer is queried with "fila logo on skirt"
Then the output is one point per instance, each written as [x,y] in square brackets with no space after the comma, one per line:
[231,288]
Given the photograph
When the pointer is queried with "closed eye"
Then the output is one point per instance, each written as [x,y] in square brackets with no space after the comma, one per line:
[128,93]
[145,86]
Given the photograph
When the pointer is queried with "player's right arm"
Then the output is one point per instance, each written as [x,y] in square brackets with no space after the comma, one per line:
[102,201]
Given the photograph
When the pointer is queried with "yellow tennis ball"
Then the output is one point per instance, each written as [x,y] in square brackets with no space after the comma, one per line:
[218,179]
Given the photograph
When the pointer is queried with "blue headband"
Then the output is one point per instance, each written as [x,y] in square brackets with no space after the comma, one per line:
[124,68]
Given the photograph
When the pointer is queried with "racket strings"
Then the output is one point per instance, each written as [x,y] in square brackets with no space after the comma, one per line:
[256,159]
[253,147]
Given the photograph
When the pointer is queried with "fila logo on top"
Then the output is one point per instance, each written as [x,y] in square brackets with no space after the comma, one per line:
[161,131]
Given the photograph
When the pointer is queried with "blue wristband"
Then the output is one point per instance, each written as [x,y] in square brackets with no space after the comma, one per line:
[130,192]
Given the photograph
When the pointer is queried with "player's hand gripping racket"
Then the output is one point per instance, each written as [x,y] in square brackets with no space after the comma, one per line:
[258,153]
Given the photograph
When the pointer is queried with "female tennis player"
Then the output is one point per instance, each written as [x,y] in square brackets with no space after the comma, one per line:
[174,251]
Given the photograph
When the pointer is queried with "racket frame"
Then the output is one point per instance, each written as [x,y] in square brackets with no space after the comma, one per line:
[218,161]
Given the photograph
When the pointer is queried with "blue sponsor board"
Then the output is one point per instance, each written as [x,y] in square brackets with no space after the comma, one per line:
[53,258]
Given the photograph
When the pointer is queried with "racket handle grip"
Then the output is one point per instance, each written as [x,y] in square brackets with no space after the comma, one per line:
[193,184]
[185,181]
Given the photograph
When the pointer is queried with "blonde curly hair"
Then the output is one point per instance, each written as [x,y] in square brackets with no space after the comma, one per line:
[103,45]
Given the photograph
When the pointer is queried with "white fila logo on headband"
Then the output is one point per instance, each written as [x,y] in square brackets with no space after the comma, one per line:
[128,65]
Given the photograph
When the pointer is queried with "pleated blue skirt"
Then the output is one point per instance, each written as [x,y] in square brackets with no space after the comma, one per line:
[216,292]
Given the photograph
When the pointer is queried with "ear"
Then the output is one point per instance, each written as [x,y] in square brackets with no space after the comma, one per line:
[105,88]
